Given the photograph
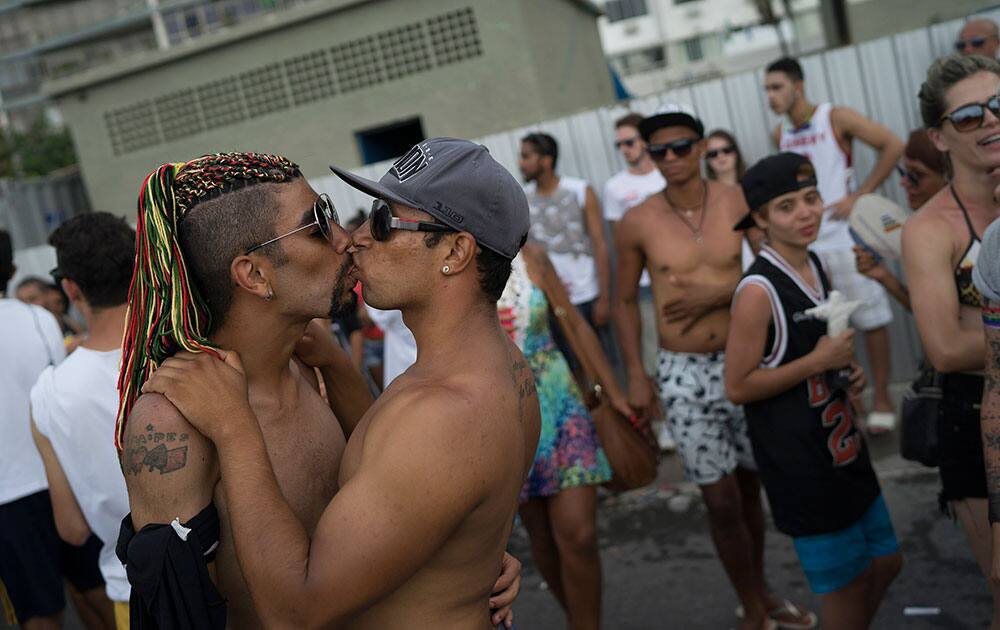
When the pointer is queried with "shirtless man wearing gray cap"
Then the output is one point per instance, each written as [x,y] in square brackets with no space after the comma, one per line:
[430,476]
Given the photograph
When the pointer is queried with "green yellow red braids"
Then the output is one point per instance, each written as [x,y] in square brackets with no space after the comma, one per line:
[165,312]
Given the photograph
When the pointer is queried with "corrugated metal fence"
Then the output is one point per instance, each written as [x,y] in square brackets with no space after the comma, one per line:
[879,78]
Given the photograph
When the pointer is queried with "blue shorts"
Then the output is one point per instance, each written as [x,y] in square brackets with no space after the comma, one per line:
[832,561]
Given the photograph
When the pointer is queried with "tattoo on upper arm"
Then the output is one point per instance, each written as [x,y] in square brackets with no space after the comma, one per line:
[523,380]
[150,449]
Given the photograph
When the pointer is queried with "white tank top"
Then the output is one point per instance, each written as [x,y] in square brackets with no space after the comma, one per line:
[817,141]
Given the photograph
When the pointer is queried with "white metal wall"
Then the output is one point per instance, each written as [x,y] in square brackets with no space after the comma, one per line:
[879,78]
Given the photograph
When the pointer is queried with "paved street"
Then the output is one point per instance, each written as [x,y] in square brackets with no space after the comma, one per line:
[660,568]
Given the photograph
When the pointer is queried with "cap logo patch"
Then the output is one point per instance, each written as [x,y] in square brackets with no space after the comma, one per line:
[414,161]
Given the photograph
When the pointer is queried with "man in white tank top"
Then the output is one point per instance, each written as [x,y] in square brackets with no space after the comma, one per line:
[824,133]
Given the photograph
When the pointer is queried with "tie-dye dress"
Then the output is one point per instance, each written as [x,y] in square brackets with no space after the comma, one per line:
[568,453]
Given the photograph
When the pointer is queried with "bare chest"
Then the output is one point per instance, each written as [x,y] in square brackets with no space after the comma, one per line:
[305,452]
[681,246]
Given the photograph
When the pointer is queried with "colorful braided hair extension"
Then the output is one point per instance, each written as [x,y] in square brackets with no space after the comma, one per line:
[165,312]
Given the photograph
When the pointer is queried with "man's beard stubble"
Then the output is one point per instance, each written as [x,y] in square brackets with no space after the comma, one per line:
[341,307]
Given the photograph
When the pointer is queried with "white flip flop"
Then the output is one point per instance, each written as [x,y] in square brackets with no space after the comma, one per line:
[881,422]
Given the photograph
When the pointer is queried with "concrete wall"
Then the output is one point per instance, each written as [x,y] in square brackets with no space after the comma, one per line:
[502,88]
[869,19]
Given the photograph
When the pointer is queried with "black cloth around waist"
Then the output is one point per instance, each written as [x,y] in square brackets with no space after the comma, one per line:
[171,587]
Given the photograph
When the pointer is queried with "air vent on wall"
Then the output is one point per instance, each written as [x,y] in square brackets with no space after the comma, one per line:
[320,74]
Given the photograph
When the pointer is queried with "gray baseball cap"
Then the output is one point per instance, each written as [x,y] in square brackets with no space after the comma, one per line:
[460,184]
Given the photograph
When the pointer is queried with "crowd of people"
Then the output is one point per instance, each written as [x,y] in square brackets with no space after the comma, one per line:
[206,452]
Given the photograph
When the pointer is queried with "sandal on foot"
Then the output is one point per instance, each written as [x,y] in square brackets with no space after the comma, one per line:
[881,422]
[787,607]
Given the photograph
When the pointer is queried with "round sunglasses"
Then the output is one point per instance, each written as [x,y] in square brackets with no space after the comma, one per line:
[714,153]
[971,115]
[680,148]
[324,217]
[382,222]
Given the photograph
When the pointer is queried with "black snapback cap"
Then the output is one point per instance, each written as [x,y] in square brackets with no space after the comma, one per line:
[772,177]
[671,115]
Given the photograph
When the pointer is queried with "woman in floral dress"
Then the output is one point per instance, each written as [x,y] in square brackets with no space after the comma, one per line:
[559,499]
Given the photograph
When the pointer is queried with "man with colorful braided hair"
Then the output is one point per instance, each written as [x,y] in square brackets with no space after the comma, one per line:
[233,251]
[431,474]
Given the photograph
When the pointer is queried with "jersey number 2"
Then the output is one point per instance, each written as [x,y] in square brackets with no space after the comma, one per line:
[843,447]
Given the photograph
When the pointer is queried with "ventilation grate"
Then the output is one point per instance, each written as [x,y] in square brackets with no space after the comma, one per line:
[357,64]
[455,36]
[132,128]
[404,51]
[314,76]
[264,90]
[309,77]
[178,114]
[221,103]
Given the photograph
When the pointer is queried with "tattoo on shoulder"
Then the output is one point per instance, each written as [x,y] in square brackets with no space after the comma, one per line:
[165,452]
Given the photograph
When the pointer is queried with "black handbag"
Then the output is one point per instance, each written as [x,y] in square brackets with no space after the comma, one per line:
[918,440]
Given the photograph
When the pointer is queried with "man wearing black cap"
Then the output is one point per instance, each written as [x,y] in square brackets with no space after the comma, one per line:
[430,476]
[813,461]
[683,236]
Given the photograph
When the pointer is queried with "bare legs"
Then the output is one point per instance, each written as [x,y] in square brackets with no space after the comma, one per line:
[737,527]
[563,534]
[972,515]
[877,345]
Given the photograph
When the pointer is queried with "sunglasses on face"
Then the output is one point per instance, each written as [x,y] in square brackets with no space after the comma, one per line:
[382,222]
[714,153]
[975,42]
[971,115]
[680,148]
[57,275]
[324,217]
[911,176]
[628,142]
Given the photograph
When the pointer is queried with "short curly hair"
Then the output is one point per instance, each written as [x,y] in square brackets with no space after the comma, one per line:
[96,251]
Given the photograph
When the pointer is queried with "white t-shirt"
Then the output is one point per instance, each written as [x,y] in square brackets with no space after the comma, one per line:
[74,405]
[626,190]
[399,348]
[558,224]
[30,341]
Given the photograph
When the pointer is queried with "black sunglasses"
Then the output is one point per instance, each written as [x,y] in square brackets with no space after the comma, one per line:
[911,176]
[714,153]
[382,222]
[57,275]
[681,148]
[975,42]
[627,142]
[324,217]
[971,115]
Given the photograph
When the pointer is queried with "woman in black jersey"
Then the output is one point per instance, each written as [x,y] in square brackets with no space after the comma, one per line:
[812,460]
[961,110]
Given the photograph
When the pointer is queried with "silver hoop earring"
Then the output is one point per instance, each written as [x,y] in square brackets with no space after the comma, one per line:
[446,269]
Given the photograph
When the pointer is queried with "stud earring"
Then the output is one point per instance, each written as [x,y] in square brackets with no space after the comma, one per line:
[446,270]
[270,294]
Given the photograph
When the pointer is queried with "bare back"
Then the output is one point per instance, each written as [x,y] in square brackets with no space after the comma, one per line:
[671,251]
[305,444]
[496,435]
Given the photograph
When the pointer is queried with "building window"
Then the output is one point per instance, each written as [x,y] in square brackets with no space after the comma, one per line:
[693,48]
[618,10]
[642,60]
[389,141]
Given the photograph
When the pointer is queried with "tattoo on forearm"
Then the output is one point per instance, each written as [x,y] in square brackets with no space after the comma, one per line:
[150,449]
